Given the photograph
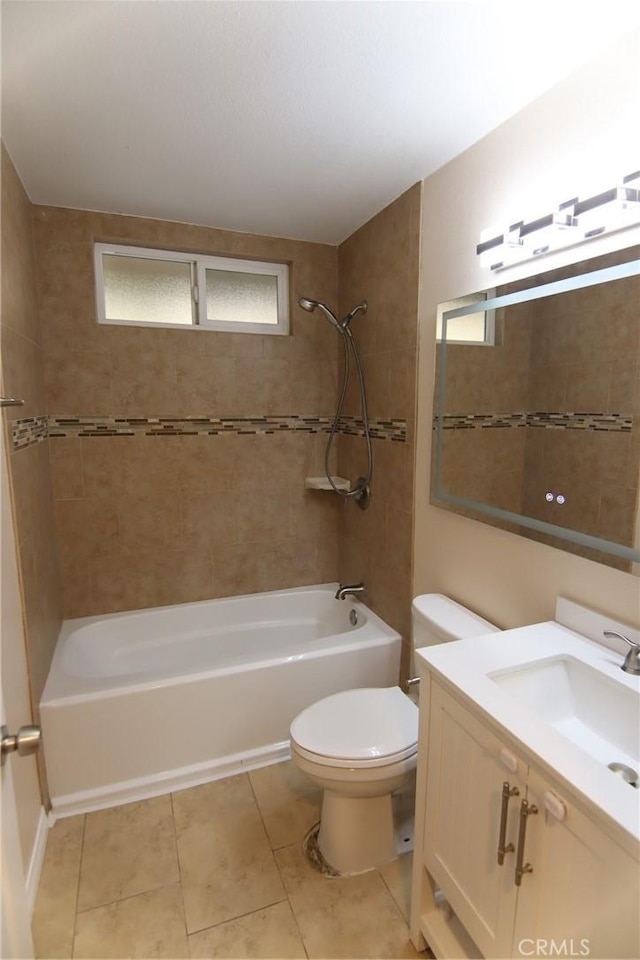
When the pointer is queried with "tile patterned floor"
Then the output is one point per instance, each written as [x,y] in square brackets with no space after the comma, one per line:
[213,871]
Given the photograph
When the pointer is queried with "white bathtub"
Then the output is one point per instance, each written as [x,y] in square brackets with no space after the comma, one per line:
[140,703]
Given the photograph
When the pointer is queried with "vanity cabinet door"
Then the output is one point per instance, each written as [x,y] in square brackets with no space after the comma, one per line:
[584,890]
[463,822]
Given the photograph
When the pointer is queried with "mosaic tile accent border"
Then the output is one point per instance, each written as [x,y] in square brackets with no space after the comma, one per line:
[473,421]
[380,429]
[32,430]
[181,426]
[581,421]
[29,430]
[618,422]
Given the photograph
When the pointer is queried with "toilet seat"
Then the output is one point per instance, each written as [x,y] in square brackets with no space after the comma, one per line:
[370,727]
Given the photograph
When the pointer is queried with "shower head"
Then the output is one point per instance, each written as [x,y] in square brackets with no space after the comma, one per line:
[361,308]
[310,306]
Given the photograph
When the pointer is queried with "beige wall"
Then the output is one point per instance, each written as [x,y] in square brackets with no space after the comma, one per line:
[30,481]
[379,263]
[541,155]
[146,520]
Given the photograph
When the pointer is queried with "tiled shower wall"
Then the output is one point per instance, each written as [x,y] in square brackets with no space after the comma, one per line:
[380,264]
[29,470]
[144,519]
[177,458]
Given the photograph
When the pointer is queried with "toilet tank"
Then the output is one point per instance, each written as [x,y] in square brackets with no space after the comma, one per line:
[438,619]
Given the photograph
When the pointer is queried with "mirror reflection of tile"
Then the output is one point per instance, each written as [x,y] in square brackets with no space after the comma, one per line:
[544,425]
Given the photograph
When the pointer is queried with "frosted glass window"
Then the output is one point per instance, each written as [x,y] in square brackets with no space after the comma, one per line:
[241,297]
[171,288]
[141,290]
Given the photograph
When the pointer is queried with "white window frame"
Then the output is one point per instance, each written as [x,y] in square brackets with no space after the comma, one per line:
[199,265]
[474,302]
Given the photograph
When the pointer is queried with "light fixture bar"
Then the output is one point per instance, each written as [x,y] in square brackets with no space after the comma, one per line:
[573,222]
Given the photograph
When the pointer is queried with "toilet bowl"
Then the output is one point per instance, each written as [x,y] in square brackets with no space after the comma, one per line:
[360,746]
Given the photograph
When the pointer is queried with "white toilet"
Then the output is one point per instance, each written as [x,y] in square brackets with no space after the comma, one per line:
[361,745]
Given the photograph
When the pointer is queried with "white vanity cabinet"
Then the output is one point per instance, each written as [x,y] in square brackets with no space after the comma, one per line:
[580,888]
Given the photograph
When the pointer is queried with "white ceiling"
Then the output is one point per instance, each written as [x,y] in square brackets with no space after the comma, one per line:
[298,119]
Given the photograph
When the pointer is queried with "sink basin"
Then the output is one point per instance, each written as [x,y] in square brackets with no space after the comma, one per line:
[597,713]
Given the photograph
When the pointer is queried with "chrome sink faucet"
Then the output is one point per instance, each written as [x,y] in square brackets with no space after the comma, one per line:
[349,590]
[632,660]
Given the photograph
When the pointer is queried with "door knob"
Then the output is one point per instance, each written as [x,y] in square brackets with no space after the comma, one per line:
[26,741]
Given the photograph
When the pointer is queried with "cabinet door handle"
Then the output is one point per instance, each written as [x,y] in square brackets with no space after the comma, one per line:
[507,792]
[526,810]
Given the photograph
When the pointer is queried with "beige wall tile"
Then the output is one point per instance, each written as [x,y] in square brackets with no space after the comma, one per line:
[264,516]
[264,532]
[116,468]
[314,391]
[30,476]
[210,521]
[41,605]
[148,925]
[87,528]
[77,592]
[379,263]
[149,522]
[237,569]
[624,386]
[289,563]
[401,365]
[151,485]
[127,850]
[143,383]
[328,558]
[19,306]
[78,382]
[226,864]
[22,373]
[314,513]
[142,372]
[129,580]
[206,383]
[65,456]
[263,388]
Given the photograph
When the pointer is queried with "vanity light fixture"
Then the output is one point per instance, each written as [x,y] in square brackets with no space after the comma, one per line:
[573,222]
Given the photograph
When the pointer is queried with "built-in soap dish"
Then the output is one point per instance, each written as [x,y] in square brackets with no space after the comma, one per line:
[322,483]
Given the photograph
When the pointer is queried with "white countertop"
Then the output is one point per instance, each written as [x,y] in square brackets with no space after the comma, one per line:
[467,664]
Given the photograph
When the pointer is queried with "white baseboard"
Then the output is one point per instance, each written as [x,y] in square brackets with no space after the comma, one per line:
[155,785]
[37,859]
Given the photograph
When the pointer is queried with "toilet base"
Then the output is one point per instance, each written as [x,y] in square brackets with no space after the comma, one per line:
[356,833]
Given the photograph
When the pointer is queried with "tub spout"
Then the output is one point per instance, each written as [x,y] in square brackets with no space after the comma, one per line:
[349,590]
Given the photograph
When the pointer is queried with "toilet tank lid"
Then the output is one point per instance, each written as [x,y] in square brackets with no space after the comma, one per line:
[448,619]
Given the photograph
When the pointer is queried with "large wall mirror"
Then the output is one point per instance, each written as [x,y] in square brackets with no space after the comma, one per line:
[537,424]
